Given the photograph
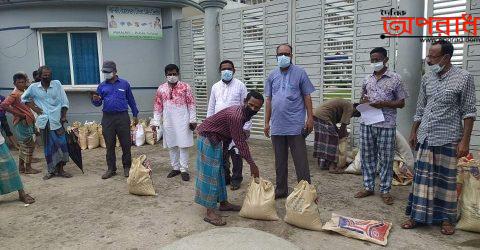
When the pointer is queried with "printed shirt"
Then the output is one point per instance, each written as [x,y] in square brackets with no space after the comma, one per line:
[226,95]
[51,101]
[2,111]
[225,126]
[116,97]
[14,100]
[443,103]
[388,88]
[180,96]
[287,90]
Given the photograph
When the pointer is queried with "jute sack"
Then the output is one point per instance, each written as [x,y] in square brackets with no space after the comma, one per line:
[139,180]
[100,135]
[82,137]
[469,203]
[369,230]
[259,203]
[301,209]
[93,140]
[342,152]
[150,135]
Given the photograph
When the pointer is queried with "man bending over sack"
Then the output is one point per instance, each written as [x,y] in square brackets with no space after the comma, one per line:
[327,135]
[215,134]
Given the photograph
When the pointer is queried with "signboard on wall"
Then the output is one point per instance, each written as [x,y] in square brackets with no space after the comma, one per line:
[143,23]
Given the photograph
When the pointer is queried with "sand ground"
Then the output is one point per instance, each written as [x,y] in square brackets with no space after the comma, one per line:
[86,212]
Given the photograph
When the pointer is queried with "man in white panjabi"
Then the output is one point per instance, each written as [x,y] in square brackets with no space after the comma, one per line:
[174,112]
[228,92]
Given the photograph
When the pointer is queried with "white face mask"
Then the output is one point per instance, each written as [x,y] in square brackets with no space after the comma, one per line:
[108,76]
[377,66]
[172,79]
[436,68]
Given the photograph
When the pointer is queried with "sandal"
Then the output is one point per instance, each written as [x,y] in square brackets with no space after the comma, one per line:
[64,174]
[216,222]
[447,228]
[48,176]
[27,199]
[409,224]
[387,199]
[364,193]
[230,207]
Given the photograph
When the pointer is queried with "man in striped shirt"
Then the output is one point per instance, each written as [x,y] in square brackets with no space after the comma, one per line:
[216,132]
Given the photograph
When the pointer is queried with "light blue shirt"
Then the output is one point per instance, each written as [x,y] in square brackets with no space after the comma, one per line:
[51,101]
[287,90]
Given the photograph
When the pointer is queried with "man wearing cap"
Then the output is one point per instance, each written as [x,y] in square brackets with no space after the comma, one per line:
[116,95]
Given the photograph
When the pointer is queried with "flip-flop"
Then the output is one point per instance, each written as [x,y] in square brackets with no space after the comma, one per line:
[364,193]
[27,199]
[216,222]
[409,224]
[387,199]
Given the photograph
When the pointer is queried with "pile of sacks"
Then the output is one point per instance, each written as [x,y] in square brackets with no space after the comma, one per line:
[89,135]
[143,133]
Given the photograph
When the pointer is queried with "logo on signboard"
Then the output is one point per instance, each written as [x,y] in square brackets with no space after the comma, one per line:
[134,22]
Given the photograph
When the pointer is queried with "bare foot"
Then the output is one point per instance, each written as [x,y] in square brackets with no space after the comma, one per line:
[26,198]
[226,206]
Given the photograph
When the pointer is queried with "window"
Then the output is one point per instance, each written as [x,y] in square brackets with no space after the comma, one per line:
[73,56]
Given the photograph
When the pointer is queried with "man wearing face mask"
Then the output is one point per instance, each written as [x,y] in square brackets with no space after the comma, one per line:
[216,132]
[116,95]
[441,133]
[288,90]
[174,111]
[383,89]
[226,93]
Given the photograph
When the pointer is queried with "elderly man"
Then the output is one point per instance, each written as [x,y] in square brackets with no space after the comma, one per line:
[116,95]
[327,135]
[215,132]
[445,101]
[229,91]
[48,99]
[383,89]
[174,110]
[288,90]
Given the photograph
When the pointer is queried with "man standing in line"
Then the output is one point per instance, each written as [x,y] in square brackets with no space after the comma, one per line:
[174,110]
[215,132]
[288,90]
[226,93]
[445,101]
[383,89]
[116,95]
[48,99]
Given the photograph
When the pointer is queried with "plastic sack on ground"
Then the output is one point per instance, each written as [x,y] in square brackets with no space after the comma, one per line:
[259,201]
[301,209]
[402,149]
[469,203]
[93,140]
[368,230]
[356,166]
[139,180]
[100,136]
[402,175]
[139,135]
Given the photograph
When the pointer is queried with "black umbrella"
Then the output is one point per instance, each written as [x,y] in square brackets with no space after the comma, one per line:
[74,150]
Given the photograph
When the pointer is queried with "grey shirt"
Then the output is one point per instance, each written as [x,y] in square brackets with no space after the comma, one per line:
[443,103]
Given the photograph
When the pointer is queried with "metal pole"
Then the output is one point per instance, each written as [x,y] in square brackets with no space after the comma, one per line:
[212,48]
[409,65]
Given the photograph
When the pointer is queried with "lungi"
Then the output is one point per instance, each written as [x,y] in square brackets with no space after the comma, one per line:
[9,176]
[55,148]
[433,198]
[210,185]
[24,134]
[326,141]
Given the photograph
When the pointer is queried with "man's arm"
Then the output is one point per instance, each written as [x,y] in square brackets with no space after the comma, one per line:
[396,104]
[7,106]
[239,138]
[211,103]
[268,114]
[469,113]
[97,98]
[157,109]
[309,106]
[417,118]
[190,101]
[131,102]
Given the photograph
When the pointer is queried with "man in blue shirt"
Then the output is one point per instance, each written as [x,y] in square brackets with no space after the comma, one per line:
[116,95]
[48,99]
[288,90]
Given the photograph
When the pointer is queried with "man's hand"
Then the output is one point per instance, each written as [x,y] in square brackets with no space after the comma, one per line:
[37,110]
[266,130]
[135,121]
[247,133]
[413,140]
[462,148]
[63,120]
[254,171]
[96,97]
[192,126]
[364,99]
[309,125]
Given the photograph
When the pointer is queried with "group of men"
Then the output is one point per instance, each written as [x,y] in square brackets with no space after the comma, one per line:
[441,132]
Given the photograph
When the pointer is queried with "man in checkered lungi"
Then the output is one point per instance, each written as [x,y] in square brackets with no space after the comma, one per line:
[383,89]
[327,135]
[446,100]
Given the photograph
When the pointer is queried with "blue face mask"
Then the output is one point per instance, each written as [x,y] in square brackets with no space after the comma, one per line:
[227,75]
[283,61]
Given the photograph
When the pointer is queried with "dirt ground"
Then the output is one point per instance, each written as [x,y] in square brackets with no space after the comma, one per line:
[87,212]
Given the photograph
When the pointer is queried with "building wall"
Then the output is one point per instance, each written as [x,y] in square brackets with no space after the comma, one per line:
[141,62]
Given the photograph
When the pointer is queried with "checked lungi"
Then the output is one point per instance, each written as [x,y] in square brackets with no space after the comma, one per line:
[326,142]
[210,185]
[433,198]
[55,148]
[9,176]
[24,134]
[377,149]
